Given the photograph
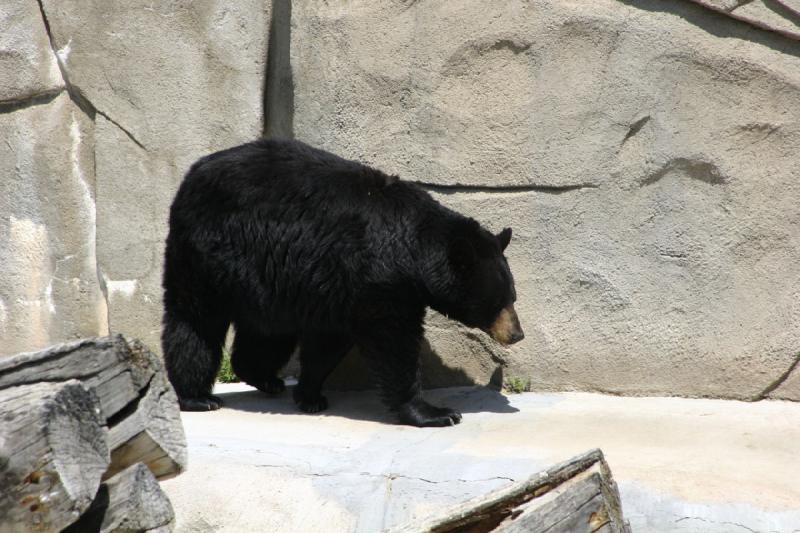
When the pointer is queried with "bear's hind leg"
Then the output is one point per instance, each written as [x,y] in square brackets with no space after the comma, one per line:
[257,358]
[192,355]
[319,356]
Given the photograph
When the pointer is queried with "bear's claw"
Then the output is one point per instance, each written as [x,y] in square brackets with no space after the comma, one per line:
[422,414]
[204,403]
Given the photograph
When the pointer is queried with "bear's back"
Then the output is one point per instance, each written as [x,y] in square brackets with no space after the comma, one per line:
[280,170]
[293,232]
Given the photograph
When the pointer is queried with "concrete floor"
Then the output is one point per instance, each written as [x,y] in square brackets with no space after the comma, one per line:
[681,465]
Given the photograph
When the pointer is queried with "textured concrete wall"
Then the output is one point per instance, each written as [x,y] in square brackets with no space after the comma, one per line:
[643,151]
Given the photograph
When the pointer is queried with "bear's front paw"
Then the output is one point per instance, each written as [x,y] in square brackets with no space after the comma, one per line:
[310,403]
[203,403]
[420,413]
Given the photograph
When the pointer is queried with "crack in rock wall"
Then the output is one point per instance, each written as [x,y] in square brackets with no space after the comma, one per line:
[643,152]
[103,107]
[48,286]
[787,385]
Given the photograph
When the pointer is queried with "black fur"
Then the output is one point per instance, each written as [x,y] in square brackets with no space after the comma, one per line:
[295,245]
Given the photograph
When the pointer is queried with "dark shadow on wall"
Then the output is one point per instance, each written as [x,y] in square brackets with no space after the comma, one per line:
[782,11]
[278,103]
[353,373]
[718,24]
[436,374]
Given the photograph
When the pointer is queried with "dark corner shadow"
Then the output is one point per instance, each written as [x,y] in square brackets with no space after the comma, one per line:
[719,24]
[278,91]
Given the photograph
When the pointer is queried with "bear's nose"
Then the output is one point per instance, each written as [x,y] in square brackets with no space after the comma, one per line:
[516,336]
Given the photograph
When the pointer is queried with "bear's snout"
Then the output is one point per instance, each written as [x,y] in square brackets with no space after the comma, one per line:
[506,329]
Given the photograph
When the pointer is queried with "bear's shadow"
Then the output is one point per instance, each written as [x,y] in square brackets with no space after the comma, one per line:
[366,404]
[350,393]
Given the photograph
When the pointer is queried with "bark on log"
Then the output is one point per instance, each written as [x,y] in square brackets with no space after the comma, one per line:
[129,501]
[576,496]
[53,452]
[105,365]
[137,403]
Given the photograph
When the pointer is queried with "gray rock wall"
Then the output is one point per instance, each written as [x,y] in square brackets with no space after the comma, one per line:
[643,151]
[48,282]
[103,107]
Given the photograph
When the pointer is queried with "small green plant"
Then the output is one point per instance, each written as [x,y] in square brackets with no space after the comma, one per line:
[226,374]
[516,385]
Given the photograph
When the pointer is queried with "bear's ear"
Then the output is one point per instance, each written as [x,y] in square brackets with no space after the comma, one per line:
[462,254]
[504,237]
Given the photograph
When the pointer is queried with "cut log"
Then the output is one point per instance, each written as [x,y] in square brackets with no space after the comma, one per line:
[137,403]
[129,501]
[105,365]
[576,496]
[53,453]
[148,433]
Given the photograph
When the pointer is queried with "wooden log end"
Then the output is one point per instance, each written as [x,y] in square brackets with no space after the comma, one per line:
[151,432]
[132,500]
[55,452]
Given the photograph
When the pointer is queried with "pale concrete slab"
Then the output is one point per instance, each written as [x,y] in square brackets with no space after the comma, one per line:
[682,465]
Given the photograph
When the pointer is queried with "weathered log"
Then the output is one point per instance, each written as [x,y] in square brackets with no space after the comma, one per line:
[53,453]
[129,501]
[151,433]
[105,365]
[137,403]
[576,496]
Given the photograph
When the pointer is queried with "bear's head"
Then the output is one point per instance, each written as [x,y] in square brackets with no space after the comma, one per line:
[478,289]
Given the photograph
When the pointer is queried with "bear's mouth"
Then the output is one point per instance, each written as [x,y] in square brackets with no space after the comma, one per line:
[506,329]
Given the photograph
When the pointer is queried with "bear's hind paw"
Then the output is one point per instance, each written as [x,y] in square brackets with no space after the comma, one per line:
[272,386]
[312,404]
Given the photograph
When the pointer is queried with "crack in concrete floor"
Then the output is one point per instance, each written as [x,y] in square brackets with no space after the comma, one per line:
[722,464]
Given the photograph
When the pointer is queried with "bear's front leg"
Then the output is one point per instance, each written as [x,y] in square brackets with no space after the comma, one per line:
[392,348]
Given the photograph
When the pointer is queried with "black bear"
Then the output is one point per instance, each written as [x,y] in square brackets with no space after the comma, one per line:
[294,245]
